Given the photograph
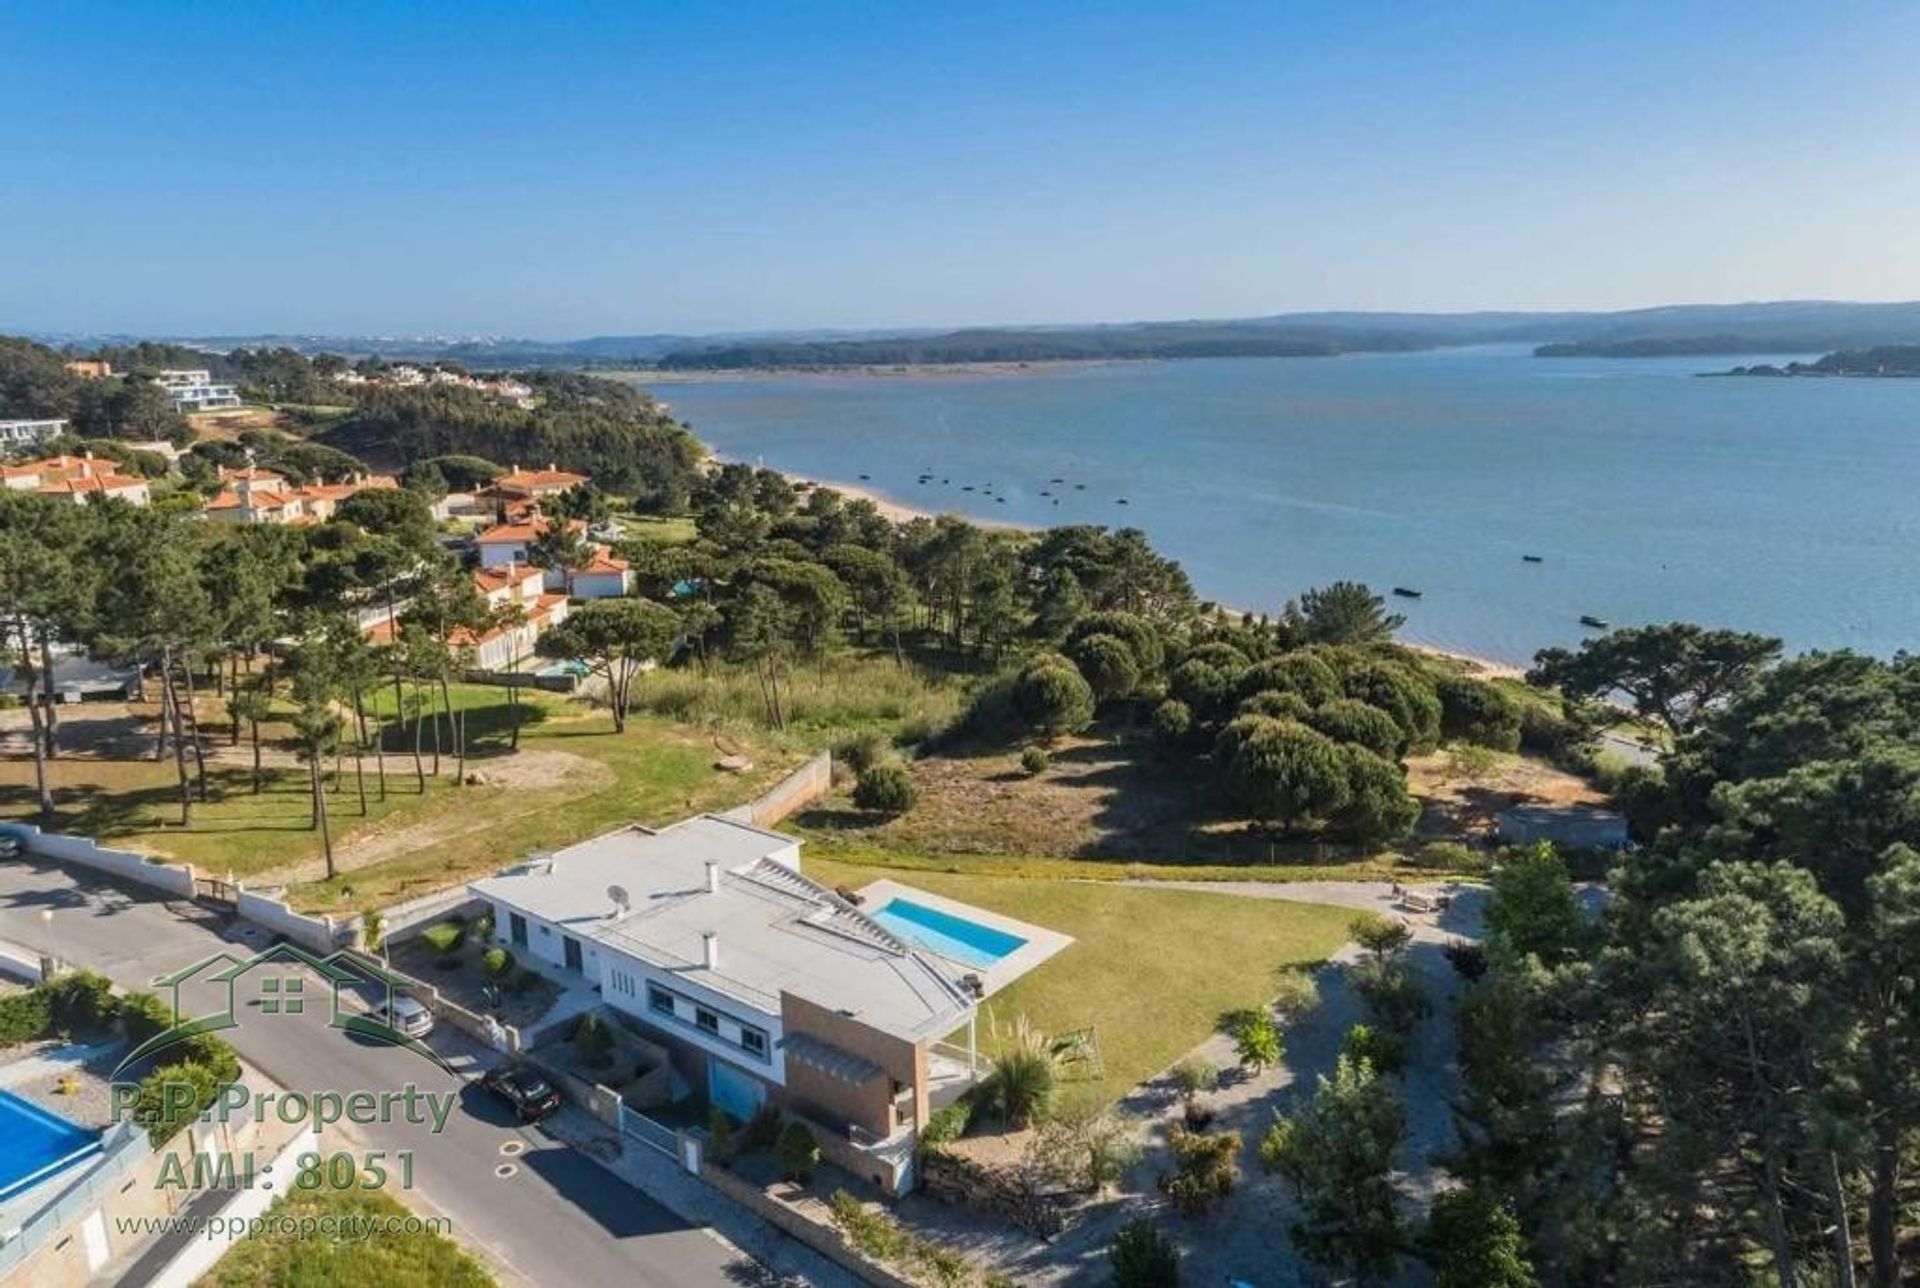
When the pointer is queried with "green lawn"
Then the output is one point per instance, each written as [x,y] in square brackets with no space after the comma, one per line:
[658,530]
[1151,970]
[317,1260]
[1386,866]
[575,778]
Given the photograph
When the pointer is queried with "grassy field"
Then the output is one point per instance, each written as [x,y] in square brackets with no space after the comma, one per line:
[821,701]
[656,529]
[1152,971]
[271,1260]
[572,777]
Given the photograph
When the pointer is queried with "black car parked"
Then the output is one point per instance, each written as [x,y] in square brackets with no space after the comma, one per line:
[530,1094]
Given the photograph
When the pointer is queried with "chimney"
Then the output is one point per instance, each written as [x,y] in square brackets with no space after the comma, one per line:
[710,950]
[713,878]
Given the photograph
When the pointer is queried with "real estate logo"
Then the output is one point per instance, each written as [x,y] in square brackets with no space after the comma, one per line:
[275,982]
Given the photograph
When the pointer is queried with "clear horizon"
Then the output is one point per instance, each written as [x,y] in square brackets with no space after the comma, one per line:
[510,169]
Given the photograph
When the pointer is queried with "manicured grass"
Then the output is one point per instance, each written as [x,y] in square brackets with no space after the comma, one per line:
[319,1260]
[1152,971]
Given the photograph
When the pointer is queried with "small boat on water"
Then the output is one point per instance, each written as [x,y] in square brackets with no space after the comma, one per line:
[966,487]
[1056,480]
[866,478]
[1531,559]
[1406,592]
[1598,623]
[1121,501]
[1079,487]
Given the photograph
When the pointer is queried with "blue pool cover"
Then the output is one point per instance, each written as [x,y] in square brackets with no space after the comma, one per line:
[35,1144]
[956,938]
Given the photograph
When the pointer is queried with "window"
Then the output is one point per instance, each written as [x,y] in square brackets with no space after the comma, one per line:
[753,1041]
[659,999]
[706,1021]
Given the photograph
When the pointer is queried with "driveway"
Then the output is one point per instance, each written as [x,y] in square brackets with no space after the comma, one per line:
[539,1211]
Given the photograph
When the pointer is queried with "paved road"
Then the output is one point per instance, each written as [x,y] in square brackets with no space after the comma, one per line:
[560,1218]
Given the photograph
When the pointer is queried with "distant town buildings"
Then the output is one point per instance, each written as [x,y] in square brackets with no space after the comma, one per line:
[195,390]
[20,433]
[90,368]
[404,375]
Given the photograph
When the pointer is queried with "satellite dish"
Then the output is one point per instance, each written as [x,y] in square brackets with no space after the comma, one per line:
[621,900]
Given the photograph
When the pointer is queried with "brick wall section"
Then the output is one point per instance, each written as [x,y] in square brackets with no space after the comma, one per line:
[832,1100]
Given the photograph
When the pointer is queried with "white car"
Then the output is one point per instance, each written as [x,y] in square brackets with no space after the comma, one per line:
[409,1017]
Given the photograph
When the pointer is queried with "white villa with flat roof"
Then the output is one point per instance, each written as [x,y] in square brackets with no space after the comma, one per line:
[20,433]
[765,985]
[195,390]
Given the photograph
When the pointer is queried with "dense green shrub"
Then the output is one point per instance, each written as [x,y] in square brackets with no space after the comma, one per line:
[497,962]
[798,1152]
[1204,1169]
[1278,704]
[1107,665]
[444,937]
[1282,771]
[1403,693]
[25,1016]
[1142,1259]
[144,1016]
[1136,633]
[1034,760]
[1172,721]
[1384,1050]
[1304,674]
[1019,1086]
[1052,697]
[888,789]
[1378,808]
[80,1002]
[861,751]
[1448,856]
[1393,996]
[949,1124]
[1350,720]
[1478,712]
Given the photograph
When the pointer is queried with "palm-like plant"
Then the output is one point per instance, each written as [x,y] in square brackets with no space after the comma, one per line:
[1020,1084]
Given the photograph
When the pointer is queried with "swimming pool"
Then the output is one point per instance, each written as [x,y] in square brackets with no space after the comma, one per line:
[35,1144]
[943,933]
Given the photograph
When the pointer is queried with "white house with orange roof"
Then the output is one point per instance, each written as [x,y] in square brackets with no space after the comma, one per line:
[602,576]
[76,478]
[498,646]
[526,485]
[254,495]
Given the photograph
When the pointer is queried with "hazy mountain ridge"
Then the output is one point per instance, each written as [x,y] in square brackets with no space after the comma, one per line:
[1784,326]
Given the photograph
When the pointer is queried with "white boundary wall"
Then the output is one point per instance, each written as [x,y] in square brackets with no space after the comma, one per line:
[174,879]
[198,1256]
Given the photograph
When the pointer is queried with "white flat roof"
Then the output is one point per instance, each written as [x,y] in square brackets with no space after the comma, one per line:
[775,930]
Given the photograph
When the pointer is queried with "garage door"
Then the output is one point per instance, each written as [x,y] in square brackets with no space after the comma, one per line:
[731,1089]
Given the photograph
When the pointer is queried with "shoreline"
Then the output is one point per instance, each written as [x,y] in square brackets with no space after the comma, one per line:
[899,511]
[865,371]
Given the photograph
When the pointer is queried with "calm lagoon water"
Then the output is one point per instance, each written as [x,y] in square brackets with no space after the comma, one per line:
[1785,506]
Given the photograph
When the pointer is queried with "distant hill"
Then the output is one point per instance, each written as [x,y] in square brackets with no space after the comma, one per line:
[1898,360]
[1790,327]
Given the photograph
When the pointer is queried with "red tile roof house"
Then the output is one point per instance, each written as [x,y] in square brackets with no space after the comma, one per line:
[255,495]
[603,576]
[765,986]
[499,647]
[525,485]
[77,478]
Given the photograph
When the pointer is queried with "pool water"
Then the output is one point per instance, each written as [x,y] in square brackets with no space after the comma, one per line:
[947,935]
[35,1144]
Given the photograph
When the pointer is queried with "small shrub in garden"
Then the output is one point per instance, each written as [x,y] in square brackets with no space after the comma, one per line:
[1385,1051]
[444,937]
[1448,856]
[798,1151]
[1034,760]
[497,962]
[1204,1169]
[1142,1259]
[593,1040]
[1469,960]
[886,788]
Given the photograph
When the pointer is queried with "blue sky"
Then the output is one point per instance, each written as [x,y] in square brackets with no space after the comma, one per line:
[551,169]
